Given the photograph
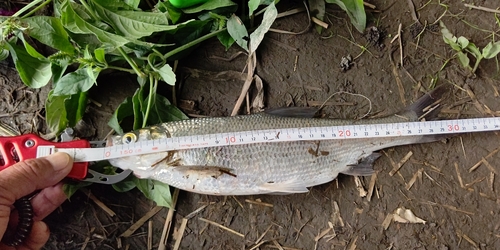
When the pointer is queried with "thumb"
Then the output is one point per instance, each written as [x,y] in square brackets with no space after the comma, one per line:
[25,177]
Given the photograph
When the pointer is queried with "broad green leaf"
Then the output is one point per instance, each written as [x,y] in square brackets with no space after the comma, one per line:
[125,185]
[55,113]
[472,48]
[268,20]
[133,3]
[124,110]
[238,32]
[209,5]
[162,111]
[31,51]
[75,106]
[57,72]
[4,54]
[34,72]
[355,10]
[75,82]
[463,42]
[167,74]
[173,13]
[464,60]
[225,39]
[70,188]
[76,24]
[156,191]
[491,50]
[134,24]
[119,4]
[252,6]
[100,55]
[49,31]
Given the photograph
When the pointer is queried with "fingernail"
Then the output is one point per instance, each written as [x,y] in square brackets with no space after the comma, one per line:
[59,161]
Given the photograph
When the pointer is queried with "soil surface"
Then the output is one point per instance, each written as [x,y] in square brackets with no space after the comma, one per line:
[460,207]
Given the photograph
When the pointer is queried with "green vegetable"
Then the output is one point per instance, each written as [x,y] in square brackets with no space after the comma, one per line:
[186,3]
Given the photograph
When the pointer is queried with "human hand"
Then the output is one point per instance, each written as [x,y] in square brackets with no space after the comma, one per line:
[24,178]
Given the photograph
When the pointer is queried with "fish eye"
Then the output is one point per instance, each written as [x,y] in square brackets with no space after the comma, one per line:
[129,138]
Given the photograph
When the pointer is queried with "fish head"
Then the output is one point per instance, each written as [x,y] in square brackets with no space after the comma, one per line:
[142,165]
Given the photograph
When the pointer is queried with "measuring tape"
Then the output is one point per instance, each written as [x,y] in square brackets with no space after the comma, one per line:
[358,131]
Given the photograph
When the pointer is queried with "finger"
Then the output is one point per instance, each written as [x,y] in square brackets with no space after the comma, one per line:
[38,237]
[47,201]
[27,176]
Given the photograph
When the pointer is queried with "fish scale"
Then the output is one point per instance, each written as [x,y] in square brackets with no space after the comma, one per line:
[259,168]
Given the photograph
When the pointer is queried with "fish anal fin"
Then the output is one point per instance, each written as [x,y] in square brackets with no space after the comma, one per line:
[287,187]
[297,112]
[364,167]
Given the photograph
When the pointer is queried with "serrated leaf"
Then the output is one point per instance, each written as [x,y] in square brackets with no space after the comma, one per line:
[75,82]
[49,31]
[491,50]
[238,31]
[156,191]
[209,5]
[167,74]
[268,19]
[355,10]
[34,72]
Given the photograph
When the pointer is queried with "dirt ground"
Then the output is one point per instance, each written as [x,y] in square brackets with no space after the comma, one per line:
[460,206]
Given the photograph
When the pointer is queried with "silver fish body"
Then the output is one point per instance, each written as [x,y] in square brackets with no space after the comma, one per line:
[275,167]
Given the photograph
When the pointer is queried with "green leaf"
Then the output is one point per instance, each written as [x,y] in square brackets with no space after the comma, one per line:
[167,74]
[55,113]
[133,24]
[156,191]
[137,105]
[252,6]
[355,10]
[463,42]
[225,39]
[464,60]
[4,54]
[125,185]
[49,31]
[162,111]
[472,48]
[449,38]
[34,72]
[173,13]
[75,106]
[75,82]
[125,109]
[100,55]
[491,50]
[238,32]
[133,3]
[268,19]
[70,188]
[209,5]
[77,24]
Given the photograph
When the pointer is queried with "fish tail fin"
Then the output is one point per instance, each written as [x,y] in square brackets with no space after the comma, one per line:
[428,106]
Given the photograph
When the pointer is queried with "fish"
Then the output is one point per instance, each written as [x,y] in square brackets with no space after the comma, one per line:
[269,167]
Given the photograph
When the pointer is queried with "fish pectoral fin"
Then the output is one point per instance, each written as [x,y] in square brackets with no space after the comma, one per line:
[204,171]
[287,187]
[364,167]
[297,112]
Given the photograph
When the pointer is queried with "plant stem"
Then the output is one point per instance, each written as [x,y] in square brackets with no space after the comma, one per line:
[121,69]
[132,63]
[27,7]
[37,8]
[478,59]
[152,87]
[193,43]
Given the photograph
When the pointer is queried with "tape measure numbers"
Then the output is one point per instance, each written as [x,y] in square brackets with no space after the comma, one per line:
[357,131]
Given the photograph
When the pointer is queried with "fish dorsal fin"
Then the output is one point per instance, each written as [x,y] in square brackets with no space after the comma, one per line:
[296,112]
[287,187]
[364,167]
